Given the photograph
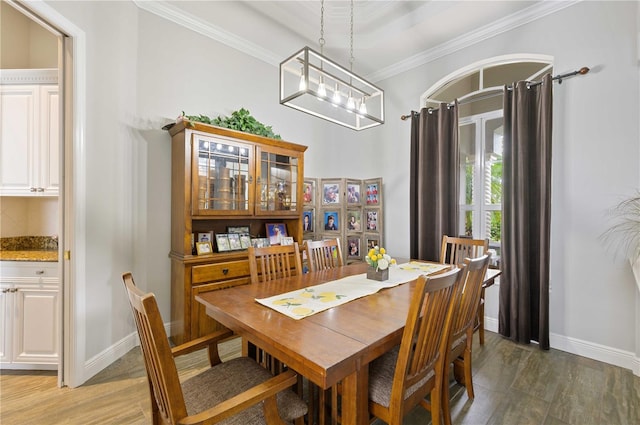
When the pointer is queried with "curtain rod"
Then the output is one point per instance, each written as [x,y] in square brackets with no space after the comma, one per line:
[558,78]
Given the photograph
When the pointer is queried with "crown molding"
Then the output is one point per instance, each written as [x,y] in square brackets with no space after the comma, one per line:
[532,13]
[178,16]
[29,76]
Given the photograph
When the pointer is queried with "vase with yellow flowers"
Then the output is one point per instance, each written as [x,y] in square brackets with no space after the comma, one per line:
[379,262]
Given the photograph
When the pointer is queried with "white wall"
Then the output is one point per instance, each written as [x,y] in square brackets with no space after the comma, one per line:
[142,71]
[595,162]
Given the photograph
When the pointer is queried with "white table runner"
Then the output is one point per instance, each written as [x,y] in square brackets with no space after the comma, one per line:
[314,299]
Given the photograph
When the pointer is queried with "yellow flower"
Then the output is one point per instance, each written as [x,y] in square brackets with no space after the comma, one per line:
[382,251]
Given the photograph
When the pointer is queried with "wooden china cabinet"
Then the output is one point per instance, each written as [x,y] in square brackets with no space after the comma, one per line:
[222,178]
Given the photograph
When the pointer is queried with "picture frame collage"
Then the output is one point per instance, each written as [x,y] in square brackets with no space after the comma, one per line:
[350,209]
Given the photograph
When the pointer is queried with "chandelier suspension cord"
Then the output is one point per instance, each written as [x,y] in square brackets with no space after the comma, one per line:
[351,59]
[321,40]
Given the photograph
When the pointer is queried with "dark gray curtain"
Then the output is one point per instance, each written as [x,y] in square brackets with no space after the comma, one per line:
[434,180]
[526,208]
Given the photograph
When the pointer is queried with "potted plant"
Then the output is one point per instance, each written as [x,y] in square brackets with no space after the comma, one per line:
[240,120]
[624,233]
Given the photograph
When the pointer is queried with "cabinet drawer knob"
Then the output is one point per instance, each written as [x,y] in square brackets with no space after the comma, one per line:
[39,272]
[225,271]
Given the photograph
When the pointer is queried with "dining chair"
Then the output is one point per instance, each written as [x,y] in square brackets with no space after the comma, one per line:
[238,391]
[325,254]
[400,379]
[462,329]
[274,262]
[266,264]
[454,250]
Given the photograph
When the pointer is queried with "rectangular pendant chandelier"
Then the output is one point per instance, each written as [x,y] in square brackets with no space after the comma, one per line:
[312,83]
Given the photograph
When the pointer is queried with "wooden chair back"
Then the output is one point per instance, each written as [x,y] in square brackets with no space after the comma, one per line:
[325,254]
[274,262]
[455,250]
[472,278]
[162,374]
[423,350]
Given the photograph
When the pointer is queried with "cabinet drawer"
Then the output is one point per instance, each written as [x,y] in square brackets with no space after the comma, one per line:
[219,271]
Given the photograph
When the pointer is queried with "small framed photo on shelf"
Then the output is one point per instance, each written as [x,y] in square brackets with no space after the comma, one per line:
[222,241]
[330,193]
[203,248]
[234,241]
[372,220]
[307,220]
[287,240]
[353,247]
[331,220]
[237,229]
[245,240]
[259,242]
[353,193]
[205,237]
[354,220]
[309,192]
[275,233]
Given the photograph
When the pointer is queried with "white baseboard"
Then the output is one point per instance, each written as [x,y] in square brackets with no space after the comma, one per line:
[591,350]
[100,361]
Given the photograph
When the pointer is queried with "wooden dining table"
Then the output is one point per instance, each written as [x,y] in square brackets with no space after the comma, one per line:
[335,345]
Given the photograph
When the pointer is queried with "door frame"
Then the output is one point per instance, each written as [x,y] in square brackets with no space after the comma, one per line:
[72,213]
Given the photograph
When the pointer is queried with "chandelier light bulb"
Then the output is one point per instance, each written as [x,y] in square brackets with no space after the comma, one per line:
[303,84]
[322,90]
[351,104]
[336,96]
[363,107]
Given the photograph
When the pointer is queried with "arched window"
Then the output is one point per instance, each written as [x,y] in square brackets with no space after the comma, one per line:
[479,89]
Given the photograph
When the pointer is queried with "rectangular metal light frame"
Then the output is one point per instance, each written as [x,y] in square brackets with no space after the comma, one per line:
[313,68]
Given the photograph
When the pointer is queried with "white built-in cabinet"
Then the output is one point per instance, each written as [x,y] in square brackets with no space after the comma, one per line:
[29,140]
[29,303]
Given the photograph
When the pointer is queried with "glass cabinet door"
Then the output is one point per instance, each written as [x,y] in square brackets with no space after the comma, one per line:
[278,180]
[222,176]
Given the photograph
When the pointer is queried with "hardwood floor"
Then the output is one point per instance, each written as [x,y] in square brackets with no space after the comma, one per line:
[514,384]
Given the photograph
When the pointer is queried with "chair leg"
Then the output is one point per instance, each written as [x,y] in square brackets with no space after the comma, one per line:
[446,407]
[481,318]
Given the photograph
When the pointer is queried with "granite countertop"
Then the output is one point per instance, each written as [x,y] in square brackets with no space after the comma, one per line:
[29,248]
[31,255]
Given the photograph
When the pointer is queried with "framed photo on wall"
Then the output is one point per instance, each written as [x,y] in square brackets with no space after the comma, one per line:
[372,242]
[331,220]
[307,220]
[309,192]
[330,193]
[353,193]
[372,220]
[354,247]
[354,220]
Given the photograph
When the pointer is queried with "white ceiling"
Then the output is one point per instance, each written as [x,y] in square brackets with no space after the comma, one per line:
[389,36]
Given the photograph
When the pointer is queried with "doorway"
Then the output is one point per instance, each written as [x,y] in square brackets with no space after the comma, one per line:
[51,48]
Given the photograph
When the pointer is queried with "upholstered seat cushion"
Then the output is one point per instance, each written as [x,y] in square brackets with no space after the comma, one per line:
[381,373]
[231,378]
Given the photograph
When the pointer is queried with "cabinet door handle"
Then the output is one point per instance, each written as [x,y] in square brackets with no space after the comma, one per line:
[41,189]
[39,272]
[5,290]
[33,189]
[225,271]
